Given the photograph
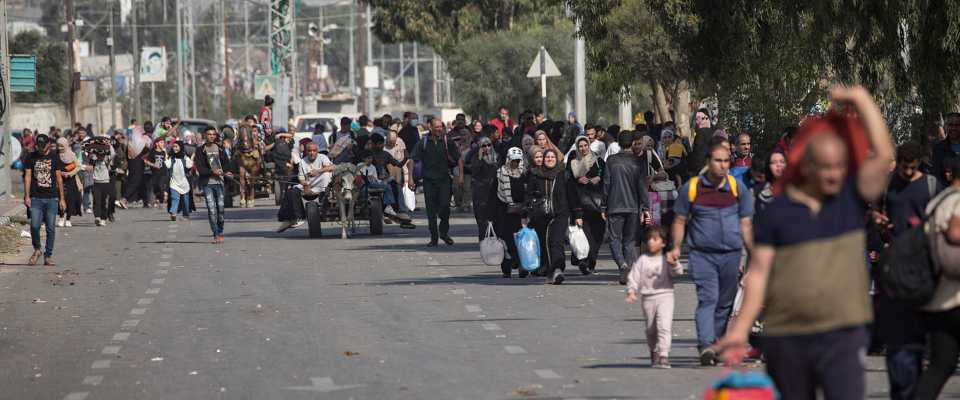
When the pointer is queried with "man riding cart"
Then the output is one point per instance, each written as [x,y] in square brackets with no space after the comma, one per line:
[314,173]
[376,176]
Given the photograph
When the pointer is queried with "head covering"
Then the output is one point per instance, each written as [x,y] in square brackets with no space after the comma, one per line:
[178,154]
[581,165]
[514,154]
[491,156]
[572,114]
[66,155]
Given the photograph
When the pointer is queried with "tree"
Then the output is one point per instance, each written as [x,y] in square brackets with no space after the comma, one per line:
[51,56]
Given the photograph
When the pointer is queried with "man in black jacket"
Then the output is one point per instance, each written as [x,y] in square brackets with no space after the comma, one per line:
[626,202]
[211,163]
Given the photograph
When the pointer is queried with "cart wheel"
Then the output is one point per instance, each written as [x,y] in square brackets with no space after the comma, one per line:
[376,216]
[313,219]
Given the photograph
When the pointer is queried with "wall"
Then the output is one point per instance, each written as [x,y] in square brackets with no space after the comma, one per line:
[38,116]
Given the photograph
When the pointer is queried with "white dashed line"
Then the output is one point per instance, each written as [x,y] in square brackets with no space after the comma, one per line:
[458,291]
[153,291]
[473,308]
[163,264]
[145,301]
[166,256]
[515,350]
[130,323]
[77,396]
[546,374]
[490,326]
[138,311]
[160,272]
[433,262]
[157,281]
[93,380]
[121,336]
[100,364]
[111,350]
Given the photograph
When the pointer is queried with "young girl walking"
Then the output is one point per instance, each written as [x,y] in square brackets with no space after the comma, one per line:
[651,280]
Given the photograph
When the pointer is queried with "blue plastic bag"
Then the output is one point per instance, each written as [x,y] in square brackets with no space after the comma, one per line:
[528,248]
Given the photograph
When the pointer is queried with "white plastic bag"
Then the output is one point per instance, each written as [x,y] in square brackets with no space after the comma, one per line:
[409,198]
[491,247]
[578,242]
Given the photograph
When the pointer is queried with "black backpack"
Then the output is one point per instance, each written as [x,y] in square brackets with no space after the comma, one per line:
[907,271]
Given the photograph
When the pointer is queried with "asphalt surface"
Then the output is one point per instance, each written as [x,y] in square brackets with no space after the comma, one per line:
[149,309]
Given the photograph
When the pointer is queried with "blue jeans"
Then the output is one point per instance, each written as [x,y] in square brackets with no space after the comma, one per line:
[388,198]
[175,199]
[213,194]
[904,365]
[716,276]
[43,211]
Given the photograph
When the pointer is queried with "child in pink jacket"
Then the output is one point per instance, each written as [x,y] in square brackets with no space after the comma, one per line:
[651,279]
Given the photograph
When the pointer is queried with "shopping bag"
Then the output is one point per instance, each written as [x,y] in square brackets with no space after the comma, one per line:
[578,242]
[492,248]
[528,248]
[739,385]
[409,198]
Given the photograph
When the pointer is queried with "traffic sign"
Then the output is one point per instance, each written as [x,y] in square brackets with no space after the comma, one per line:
[265,85]
[23,73]
[550,67]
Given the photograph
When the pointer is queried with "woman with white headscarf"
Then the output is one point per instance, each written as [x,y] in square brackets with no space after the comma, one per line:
[586,171]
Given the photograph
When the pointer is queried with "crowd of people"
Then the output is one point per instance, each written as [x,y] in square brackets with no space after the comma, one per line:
[797,231]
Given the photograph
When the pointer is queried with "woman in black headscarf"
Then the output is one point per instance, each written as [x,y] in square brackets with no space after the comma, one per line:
[483,164]
[551,202]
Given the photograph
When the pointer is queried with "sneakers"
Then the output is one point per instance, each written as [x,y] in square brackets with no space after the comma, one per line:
[173,217]
[284,226]
[68,224]
[88,211]
[390,211]
[60,222]
[35,257]
[708,357]
[661,363]
[557,277]
[624,272]
[299,223]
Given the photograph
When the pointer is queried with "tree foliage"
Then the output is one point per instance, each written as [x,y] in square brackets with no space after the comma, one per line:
[52,83]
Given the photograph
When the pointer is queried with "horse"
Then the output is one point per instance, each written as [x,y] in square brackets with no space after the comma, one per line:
[248,152]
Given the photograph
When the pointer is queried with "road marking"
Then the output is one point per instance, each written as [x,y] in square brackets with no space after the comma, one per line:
[490,326]
[163,264]
[121,336]
[138,311]
[160,272]
[100,364]
[166,255]
[324,384]
[111,350]
[458,291]
[145,301]
[157,281]
[77,396]
[93,380]
[432,262]
[153,291]
[546,374]
[515,350]
[130,323]
[473,308]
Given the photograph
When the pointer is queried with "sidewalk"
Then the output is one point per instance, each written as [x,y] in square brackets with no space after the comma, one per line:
[10,206]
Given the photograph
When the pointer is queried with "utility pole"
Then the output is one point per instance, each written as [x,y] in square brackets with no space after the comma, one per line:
[71,60]
[416,77]
[371,103]
[137,103]
[113,76]
[580,81]
[403,72]
[226,61]
[181,89]
[5,110]
[351,58]
[246,41]
[193,61]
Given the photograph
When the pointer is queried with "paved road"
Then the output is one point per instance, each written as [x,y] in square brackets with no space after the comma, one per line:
[148,309]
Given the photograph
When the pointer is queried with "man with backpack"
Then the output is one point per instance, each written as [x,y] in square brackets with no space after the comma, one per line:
[898,325]
[438,156]
[719,210]
[807,271]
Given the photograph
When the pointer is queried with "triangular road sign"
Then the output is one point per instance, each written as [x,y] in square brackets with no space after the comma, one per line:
[551,67]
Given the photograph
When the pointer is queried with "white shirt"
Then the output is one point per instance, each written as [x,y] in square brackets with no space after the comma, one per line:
[317,183]
[614,148]
[178,175]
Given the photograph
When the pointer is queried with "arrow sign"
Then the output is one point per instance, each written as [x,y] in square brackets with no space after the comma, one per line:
[550,67]
[323,385]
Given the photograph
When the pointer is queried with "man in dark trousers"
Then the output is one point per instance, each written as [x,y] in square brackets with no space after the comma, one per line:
[437,155]
[626,202]
[211,163]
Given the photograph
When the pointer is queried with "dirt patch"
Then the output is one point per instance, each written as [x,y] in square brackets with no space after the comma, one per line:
[65,277]
[11,243]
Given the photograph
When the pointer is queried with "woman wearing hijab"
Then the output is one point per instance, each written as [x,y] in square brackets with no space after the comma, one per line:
[534,157]
[585,171]
[551,203]
[178,164]
[72,188]
[483,164]
[542,140]
[507,208]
